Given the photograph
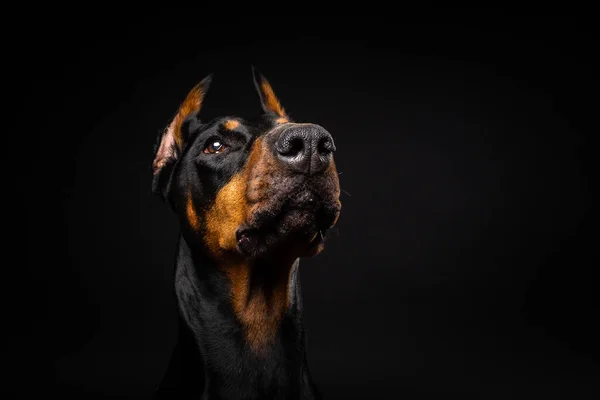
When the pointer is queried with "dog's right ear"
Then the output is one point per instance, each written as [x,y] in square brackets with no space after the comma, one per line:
[173,139]
[268,100]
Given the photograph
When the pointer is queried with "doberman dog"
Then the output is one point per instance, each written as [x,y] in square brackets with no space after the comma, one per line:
[252,197]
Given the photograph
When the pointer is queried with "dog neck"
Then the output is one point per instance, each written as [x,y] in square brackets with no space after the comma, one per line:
[246,319]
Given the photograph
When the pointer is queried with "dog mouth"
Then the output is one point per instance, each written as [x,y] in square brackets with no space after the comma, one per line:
[252,243]
[297,224]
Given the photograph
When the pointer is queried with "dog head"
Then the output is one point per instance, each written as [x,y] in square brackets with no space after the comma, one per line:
[248,188]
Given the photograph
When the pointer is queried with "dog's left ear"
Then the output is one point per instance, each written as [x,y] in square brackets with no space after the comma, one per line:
[173,139]
[269,102]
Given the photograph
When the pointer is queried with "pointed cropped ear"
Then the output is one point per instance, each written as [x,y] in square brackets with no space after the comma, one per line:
[173,138]
[270,103]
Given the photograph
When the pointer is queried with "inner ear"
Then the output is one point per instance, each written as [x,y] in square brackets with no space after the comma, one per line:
[268,100]
[172,140]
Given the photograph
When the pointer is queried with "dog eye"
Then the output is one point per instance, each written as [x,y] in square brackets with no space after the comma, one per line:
[214,146]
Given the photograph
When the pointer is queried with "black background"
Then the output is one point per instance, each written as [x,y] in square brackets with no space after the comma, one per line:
[462,262]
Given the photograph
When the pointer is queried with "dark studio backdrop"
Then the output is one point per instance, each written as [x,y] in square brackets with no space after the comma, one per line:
[461,263]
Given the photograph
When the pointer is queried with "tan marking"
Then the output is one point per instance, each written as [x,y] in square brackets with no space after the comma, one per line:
[333,175]
[233,204]
[172,135]
[231,124]
[192,103]
[260,310]
[227,213]
[270,100]
[281,120]
[261,318]
[191,213]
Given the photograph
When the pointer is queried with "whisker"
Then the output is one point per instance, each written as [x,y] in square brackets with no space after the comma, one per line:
[346,192]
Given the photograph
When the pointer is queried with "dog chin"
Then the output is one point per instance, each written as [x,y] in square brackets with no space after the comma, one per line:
[253,246]
[297,233]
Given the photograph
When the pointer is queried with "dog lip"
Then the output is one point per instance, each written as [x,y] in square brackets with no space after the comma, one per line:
[244,233]
[246,240]
[311,216]
[267,220]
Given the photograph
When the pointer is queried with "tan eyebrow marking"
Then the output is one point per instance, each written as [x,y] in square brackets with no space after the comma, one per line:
[231,124]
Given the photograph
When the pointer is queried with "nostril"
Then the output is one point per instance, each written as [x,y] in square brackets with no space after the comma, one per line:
[291,147]
[296,146]
[304,148]
[325,146]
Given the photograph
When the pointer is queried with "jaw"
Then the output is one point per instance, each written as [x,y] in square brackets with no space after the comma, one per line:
[292,233]
[253,246]
[264,212]
[293,224]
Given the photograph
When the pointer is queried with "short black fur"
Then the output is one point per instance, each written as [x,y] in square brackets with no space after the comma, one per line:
[212,357]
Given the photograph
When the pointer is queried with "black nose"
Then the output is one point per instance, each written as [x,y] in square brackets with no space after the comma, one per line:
[305,148]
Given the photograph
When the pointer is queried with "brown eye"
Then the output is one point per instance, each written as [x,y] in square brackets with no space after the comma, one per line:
[214,146]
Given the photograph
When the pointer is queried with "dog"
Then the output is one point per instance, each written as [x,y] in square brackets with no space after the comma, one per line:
[252,197]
